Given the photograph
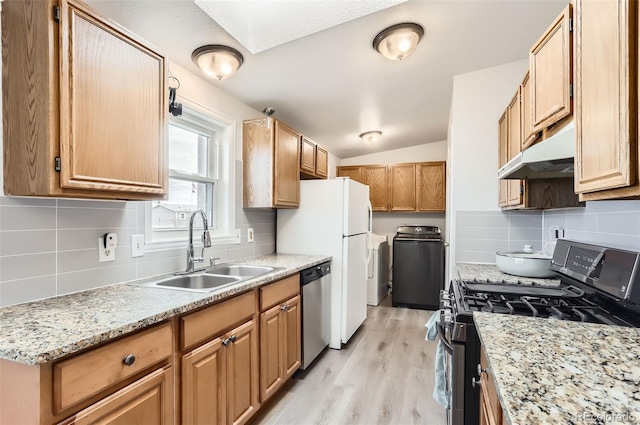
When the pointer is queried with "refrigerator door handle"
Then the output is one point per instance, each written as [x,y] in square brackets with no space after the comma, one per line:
[369,246]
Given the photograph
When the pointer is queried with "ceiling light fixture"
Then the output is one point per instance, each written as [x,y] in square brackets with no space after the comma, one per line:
[217,61]
[398,41]
[371,136]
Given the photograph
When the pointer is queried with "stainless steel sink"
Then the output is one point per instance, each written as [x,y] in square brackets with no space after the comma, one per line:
[200,282]
[240,270]
[215,278]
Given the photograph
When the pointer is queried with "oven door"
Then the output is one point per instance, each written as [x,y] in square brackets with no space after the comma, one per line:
[444,332]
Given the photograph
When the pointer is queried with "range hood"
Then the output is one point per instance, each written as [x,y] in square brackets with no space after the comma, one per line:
[551,158]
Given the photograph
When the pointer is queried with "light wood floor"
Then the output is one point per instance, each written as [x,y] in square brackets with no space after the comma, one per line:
[383,376]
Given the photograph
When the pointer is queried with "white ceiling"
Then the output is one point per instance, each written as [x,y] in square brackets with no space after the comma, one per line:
[331,85]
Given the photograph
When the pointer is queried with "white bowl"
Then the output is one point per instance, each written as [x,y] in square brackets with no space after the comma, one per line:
[525,264]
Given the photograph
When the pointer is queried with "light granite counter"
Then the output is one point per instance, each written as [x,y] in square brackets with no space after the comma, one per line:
[562,372]
[489,272]
[41,331]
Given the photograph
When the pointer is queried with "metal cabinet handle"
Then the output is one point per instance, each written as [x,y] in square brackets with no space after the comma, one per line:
[226,342]
[283,308]
[129,359]
[481,370]
[232,338]
[475,383]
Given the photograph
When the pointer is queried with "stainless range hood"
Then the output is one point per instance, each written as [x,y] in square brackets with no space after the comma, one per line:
[551,158]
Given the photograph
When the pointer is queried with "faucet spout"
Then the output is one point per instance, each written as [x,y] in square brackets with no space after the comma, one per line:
[206,240]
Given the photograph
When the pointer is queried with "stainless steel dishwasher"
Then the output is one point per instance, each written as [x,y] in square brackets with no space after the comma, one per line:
[316,310]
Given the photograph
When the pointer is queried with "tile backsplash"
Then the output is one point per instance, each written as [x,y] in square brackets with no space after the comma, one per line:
[479,234]
[608,223]
[49,247]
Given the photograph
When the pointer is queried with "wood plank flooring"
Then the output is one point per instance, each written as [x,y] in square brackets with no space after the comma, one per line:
[383,376]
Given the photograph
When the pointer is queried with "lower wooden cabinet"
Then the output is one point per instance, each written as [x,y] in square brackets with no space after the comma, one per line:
[148,400]
[280,337]
[220,378]
[490,408]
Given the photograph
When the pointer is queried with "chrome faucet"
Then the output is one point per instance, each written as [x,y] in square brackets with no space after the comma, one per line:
[206,242]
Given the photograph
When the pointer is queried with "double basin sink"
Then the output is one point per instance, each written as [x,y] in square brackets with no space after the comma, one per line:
[211,279]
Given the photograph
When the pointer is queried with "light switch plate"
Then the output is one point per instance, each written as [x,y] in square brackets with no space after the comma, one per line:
[137,246]
[249,234]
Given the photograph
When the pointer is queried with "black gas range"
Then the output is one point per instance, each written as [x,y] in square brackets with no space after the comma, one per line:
[597,285]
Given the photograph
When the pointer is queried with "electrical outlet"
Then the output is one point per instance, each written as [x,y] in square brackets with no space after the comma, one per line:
[107,250]
[137,246]
[249,234]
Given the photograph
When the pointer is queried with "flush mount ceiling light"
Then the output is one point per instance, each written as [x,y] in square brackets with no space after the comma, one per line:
[217,61]
[371,136]
[398,41]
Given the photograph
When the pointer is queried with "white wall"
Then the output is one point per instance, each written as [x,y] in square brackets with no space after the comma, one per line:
[478,100]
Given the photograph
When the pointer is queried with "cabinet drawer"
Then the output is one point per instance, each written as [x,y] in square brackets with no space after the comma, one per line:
[212,321]
[87,374]
[282,290]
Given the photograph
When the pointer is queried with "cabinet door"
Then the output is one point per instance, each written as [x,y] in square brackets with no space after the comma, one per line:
[242,373]
[204,384]
[322,162]
[431,178]
[112,107]
[291,337]
[513,147]
[355,173]
[503,140]
[528,136]
[307,156]
[550,66]
[402,184]
[606,114]
[271,355]
[286,180]
[376,177]
[148,400]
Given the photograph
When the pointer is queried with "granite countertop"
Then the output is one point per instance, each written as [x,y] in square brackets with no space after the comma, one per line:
[41,331]
[562,372]
[484,272]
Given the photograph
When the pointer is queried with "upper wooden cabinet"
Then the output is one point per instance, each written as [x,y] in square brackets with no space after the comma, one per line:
[410,187]
[355,173]
[313,160]
[503,147]
[402,187]
[271,158]
[550,68]
[431,186]
[514,146]
[84,105]
[528,136]
[376,177]
[607,154]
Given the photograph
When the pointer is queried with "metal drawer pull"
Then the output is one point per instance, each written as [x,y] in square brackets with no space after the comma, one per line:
[283,308]
[475,383]
[481,370]
[226,341]
[232,338]
[129,360]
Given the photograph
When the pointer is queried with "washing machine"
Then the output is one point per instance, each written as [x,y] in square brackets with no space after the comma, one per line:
[378,269]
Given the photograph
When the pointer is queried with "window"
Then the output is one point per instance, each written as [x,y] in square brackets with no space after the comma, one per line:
[200,160]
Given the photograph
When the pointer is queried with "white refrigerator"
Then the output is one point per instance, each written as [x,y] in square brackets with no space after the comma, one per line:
[334,218]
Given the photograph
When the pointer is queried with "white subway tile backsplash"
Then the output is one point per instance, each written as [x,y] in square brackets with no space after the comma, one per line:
[498,233]
[525,235]
[27,242]
[23,290]
[625,223]
[482,245]
[525,220]
[475,257]
[27,218]
[95,218]
[48,247]
[480,220]
[24,266]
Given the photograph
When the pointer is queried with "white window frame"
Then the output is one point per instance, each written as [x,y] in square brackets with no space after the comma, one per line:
[222,224]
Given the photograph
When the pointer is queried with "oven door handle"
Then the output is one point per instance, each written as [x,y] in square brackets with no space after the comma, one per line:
[446,343]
